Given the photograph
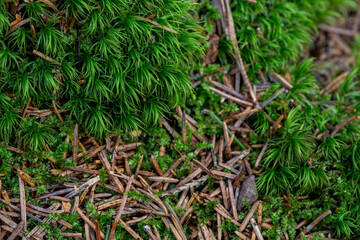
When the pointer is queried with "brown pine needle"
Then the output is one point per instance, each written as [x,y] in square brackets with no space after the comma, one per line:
[157,24]
[45,57]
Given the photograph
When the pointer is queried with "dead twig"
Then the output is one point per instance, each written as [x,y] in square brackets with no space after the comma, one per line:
[343,124]
[249,216]
[121,209]
[157,24]
[45,57]
[315,222]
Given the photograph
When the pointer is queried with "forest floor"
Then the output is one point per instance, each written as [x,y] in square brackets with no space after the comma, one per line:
[151,185]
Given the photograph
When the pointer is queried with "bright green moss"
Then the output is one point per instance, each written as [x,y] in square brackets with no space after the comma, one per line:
[119,64]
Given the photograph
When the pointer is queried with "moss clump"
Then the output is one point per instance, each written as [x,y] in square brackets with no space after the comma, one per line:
[117,64]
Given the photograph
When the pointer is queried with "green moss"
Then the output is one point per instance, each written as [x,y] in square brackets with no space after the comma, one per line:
[117,70]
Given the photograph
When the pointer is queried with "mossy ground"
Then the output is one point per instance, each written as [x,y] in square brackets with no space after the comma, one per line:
[312,159]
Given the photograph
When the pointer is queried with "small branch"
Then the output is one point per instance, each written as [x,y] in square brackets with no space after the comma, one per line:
[22,202]
[87,220]
[45,57]
[75,142]
[169,128]
[242,114]
[183,125]
[17,230]
[261,154]
[337,30]
[194,183]
[272,97]
[17,20]
[249,216]
[281,79]
[241,236]
[57,111]
[232,199]
[50,4]
[26,108]
[107,165]
[314,223]
[341,125]
[225,88]
[82,187]
[239,61]
[256,229]
[225,95]
[334,84]
[130,230]
[121,209]
[157,24]
[139,166]
[18,210]
[150,233]
[23,22]
[156,166]
[8,221]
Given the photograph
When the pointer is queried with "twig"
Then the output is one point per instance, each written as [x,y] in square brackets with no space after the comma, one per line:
[333,85]
[232,199]
[156,166]
[37,229]
[121,209]
[107,165]
[315,222]
[50,4]
[239,61]
[152,236]
[176,221]
[256,229]
[205,169]
[301,224]
[26,108]
[22,202]
[261,154]
[87,220]
[57,111]
[341,125]
[130,230]
[225,88]
[82,187]
[218,120]
[163,179]
[337,30]
[260,215]
[169,128]
[241,236]
[249,216]
[240,156]
[8,221]
[45,57]
[139,166]
[18,210]
[272,97]
[282,80]
[186,186]
[235,99]
[25,177]
[20,24]
[183,122]
[157,24]
[17,230]
[244,113]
